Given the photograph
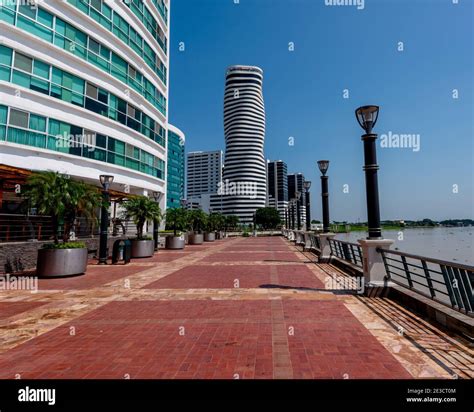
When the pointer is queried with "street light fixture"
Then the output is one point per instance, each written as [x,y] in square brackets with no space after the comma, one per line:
[323,168]
[367,117]
[156,235]
[106,182]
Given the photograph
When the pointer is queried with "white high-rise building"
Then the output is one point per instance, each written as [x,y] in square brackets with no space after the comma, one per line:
[84,90]
[244,176]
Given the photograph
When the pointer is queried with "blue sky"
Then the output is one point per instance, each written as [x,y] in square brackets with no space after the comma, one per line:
[338,48]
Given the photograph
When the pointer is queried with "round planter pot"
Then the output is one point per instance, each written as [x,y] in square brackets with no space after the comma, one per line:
[209,237]
[61,262]
[142,248]
[175,242]
[196,239]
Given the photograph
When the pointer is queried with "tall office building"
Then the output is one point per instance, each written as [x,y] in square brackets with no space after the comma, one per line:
[244,176]
[84,91]
[204,172]
[296,184]
[175,167]
[278,186]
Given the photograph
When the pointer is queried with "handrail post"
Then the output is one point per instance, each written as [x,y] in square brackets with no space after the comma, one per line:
[375,275]
[324,242]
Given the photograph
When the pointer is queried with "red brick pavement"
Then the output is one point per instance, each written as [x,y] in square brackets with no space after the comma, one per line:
[96,276]
[248,276]
[218,339]
[8,309]
[215,337]
[252,257]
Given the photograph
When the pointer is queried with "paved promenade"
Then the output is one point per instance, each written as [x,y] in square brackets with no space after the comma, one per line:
[235,308]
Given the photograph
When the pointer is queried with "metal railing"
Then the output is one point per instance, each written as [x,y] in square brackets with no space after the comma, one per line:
[446,282]
[22,228]
[350,252]
[315,242]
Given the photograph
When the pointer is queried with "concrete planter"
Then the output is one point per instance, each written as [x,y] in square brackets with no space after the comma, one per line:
[175,242]
[142,248]
[61,262]
[209,237]
[196,239]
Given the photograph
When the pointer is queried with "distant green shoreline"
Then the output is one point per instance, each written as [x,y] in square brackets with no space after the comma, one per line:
[360,228]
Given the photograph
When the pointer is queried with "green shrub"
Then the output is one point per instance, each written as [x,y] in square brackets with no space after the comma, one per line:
[65,245]
[245,234]
[142,238]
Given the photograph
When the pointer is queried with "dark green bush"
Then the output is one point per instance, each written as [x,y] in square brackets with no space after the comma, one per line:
[65,245]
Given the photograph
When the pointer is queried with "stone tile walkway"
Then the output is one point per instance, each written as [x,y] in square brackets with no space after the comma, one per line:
[235,308]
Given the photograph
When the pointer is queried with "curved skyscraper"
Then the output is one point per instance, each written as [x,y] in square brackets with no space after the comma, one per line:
[244,176]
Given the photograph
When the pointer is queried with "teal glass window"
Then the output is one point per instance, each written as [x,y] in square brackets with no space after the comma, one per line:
[41,69]
[28,11]
[3,114]
[37,123]
[45,18]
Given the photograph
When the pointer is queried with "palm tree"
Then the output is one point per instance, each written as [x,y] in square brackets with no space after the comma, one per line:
[198,220]
[62,198]
[215,221]
[231,221]
[177,219]
[141,209]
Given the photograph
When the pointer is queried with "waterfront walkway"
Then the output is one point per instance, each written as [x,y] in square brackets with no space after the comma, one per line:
[235,308]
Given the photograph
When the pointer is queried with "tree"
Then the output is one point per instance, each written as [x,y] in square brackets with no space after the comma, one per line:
[141,209]
[177,219]
[314,222]
[197,220]
[61,198]
[231,222]
[215,221]
[268,218]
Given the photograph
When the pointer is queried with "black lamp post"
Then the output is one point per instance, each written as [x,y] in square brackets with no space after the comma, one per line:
[292,214]
[286,217]
[298,217]
[105,181]
[367,117]
[156,225]
[307,186]
[323,168]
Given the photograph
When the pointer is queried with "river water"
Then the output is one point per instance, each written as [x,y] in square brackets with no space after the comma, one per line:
[454,244]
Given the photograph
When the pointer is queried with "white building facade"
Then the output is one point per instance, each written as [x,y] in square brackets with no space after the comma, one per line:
[245,174]
[84,90]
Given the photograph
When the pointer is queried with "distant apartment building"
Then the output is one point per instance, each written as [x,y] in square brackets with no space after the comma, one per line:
[175,167]
[277,178]
[204,172]
[296,184]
